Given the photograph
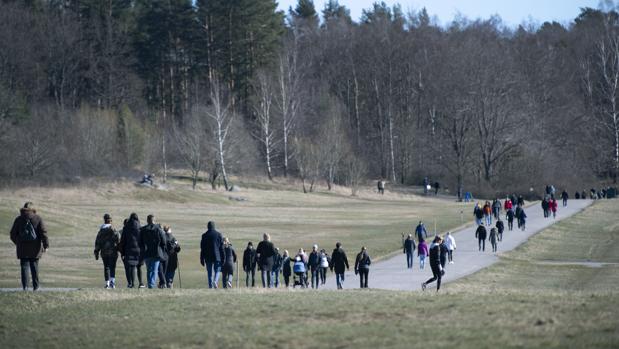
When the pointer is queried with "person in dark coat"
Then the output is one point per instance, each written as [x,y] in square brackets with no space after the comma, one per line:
[435,264]
[362,267]
[510,219]
[106,245]
[521,216]
[520,201]
[545,207]
[437,186]
[212,254]
[480,234]
[228,264]
[421,232]
[249,264]
[313,262]
[153,249]
[564,197]
[30,238]
[277,268]
[173,248]
[493,238]
[444,251]
[577,196]
[130,251]
[286,269]
[409,249]
[339,264]
[478,212]
[500,227]
[264,254]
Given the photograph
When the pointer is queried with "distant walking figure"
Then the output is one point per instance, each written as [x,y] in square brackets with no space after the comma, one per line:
[314,265]
[381,187]
[228,264]
[553,204]
[496,208]
[324,265]
[130,251]
[510,219]
[422,252]
[478,212]
[249,264]
[435,264]
[30,238]
[522,217]
[421,232]
[339,264]
[106,245]
[409,249]
[564,197]
[450,242]
[152,248]
[480,234]
[286,269]
[436,188]
[173,250]
[264,253]
[493,239]
[362,267]
[488,213]
[212,254]
[500,227]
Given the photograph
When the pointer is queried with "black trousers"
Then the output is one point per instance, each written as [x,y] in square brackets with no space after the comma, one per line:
[323,275]
[286,279]
[510,224]
[315,277]
[252,273]
[33,265]
[436,276]
[363,278]
[131,271]
[163,268]
[450,255]
[482,244]
[109,266]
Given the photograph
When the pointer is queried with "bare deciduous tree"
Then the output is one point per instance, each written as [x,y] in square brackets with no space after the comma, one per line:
[263,88]
[221,115]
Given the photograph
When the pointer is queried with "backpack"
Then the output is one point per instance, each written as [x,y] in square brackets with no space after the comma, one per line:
[27,232]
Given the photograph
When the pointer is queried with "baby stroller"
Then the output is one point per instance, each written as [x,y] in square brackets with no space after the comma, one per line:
[299,273]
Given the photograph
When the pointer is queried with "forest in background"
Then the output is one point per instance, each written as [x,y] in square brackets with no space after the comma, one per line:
[106,88]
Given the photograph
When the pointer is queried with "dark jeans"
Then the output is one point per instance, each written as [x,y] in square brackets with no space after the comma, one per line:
[450,255]
[409,259]
[339,280]
[564,202]
[163,268]
[227,279]
[252,273]
[323,274]
[130,273]
[436,276]
[315,277]
[510,225]
[266,278]
[33,265]
[363,278]
[494,245]
[213,269]
[287,279]
[109,266]
[482,244]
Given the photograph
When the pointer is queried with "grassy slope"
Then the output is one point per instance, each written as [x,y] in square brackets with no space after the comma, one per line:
[516,303]
[294,220]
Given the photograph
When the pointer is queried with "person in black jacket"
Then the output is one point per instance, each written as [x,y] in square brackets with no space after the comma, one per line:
[212,254]
[510,219]
[264,254]
[443,252]
[564,197]
[435,264]
[339,264]
[249,264]
[313,263]
[173,248]
[152,248]
[228,264]
[286,269]
[130,250]
[500,228]
[362,267]
[480,234]
[409,249]
[277,268]
[106,245]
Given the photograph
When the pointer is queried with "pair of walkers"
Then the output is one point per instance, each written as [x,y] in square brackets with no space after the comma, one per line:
[218,257]
[149,245]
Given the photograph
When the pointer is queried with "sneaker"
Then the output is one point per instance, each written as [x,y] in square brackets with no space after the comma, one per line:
[452,262]
[112,284]
[106,286]
[142,286]
[423,286]
[129,286]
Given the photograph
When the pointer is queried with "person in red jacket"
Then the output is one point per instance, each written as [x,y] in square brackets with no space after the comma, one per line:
[553,206]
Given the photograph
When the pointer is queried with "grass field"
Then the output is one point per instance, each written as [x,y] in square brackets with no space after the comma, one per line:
[520,302]
[293,219]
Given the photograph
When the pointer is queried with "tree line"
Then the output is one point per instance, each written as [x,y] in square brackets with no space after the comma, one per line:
[101,88]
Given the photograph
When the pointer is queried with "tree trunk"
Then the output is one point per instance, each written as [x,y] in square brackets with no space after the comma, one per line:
[391,149]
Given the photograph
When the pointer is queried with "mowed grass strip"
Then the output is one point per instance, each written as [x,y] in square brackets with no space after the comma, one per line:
[294,220]
[516,303]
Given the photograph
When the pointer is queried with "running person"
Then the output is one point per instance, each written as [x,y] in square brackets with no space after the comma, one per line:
[435,264]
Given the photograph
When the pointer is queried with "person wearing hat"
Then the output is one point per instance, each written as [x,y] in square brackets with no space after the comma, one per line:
[249,264]
[314,265]
[106,245]
[30,238]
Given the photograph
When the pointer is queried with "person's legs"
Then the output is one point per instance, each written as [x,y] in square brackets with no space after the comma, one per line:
[286,280]
[315,278]
[152,268]
[253,277]
[365,274]
[422,261]
[34,270]
[450,255]
[163,266]
[139,274]
[128,274]
[439,277]
[263,274]
[24,266]
[479,244]
[169,276]
[217,273]
[409,259]
[209,273]
[483,245]
[247,278]
[106,270]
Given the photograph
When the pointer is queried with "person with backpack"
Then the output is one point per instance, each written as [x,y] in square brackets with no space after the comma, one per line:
[421,232]
[339,264]
[480,234]
[314,265]
[422,252]
[29,235]
[152,248]
[173,249]
[450,243]
[264,254]
[249,264]
[229,260]
[362,267]
[510,219]
[409,249]
[500,228]
[277,268]
[324,266]
[435,264]
[286,270]
[212,254]
[129,248]
[493,238]
[564,197]
[106,245]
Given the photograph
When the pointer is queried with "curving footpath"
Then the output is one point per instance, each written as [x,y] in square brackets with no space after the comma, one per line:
[392,274]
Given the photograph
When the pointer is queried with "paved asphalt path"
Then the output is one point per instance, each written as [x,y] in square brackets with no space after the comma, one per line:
[392,273]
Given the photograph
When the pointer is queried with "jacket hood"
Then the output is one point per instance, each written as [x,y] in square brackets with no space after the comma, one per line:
[105,226]
[433,244]
[210,226]
[27,211]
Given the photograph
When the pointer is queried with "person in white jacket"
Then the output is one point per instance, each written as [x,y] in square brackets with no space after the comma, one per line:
[450,242]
